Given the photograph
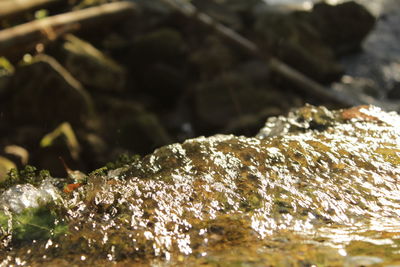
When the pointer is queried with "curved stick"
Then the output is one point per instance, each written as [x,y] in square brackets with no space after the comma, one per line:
[26,36]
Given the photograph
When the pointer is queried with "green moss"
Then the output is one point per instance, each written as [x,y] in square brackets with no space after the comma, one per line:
[29,174]
[33,224]
[98,172]
[11,178]
[123,160]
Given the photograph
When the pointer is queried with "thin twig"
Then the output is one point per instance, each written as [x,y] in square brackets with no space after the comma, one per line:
[26,36]
[10,8]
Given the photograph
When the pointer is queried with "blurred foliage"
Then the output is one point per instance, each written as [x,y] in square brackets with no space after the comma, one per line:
[5,166]
[66,131]
[41,14]
[5,66]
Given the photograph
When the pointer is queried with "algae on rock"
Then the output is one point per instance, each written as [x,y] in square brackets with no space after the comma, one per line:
[299,195]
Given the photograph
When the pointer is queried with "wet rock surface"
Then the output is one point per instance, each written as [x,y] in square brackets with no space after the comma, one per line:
[317,186]
[158,77]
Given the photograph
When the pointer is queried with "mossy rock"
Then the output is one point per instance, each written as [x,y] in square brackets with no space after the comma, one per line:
[33,224]
[324,178]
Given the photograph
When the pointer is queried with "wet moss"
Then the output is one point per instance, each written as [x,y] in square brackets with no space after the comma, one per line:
[32,224]
[29,174]
[122,161]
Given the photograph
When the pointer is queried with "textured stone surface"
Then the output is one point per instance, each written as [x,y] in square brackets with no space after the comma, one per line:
[304,190]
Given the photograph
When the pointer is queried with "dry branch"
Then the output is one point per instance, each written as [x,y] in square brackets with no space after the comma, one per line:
[9,8]
[302,82]
[26,36]
[310,86]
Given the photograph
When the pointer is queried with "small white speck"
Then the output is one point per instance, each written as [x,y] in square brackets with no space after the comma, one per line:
[342,252]
[48,244]
[19,262]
